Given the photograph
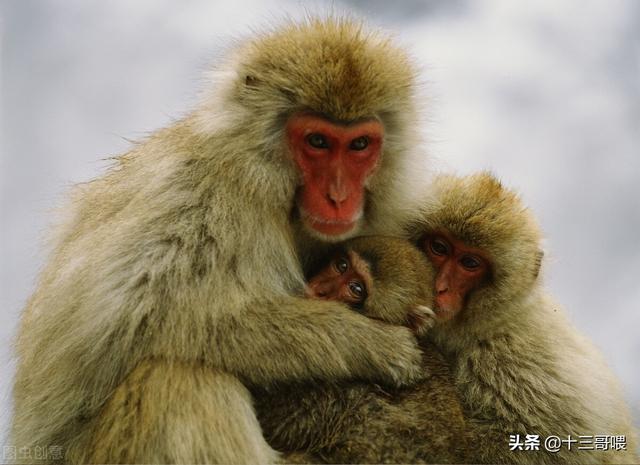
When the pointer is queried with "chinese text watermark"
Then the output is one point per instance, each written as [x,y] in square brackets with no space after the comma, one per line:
[531,442]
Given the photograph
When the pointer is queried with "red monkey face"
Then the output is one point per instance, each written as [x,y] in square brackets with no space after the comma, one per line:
[460,270]
[346,279]
[335,162]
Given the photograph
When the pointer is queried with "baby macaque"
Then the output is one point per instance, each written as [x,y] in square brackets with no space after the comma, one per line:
[385,278]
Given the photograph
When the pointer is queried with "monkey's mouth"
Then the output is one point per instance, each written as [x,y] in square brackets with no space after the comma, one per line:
[444,314]
[330,226]
[308,292]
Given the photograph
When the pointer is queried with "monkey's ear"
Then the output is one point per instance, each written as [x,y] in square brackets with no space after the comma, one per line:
[538,263]
[251,81]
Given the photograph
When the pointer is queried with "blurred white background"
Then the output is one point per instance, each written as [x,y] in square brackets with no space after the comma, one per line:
[546,94]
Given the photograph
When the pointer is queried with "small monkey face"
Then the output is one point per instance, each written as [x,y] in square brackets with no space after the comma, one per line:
[346,278]
[460,269]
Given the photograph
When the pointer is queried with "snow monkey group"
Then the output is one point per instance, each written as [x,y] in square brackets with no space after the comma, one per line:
[474,258]
[205,300]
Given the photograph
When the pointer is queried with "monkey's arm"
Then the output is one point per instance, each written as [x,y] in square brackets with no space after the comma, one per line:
[420,318]
[130,428]
[293,339]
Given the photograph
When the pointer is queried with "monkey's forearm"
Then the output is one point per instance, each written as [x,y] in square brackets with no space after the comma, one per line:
[296,339]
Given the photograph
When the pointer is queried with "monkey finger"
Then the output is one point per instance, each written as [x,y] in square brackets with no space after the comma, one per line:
[426,310]
[421,319]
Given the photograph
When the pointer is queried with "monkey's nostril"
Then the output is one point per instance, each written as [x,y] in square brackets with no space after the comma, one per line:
[335,201]
[337,194]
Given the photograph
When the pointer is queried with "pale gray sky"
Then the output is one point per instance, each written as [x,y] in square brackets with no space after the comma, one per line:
[546,94]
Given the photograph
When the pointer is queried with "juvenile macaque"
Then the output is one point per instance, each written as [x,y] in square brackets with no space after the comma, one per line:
[461,269]
[175,280]
[391,280]
[519,365]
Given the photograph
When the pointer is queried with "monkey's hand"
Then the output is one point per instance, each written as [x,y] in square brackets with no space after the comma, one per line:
[396,356]
[421,318]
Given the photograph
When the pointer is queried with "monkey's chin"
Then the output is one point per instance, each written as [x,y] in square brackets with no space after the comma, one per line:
[329,230]
[444,314]
[333,236]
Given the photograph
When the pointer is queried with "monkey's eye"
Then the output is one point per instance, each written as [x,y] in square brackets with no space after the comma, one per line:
[341,265]
[359,143]
[439,247]
[317,141]
[470,262]
[357,289]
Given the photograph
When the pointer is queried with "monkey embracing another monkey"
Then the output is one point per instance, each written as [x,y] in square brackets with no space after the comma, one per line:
[521,368]
[174,280]
[391,280]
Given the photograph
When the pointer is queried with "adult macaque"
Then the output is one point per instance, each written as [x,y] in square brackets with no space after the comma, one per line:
[391,280]
[519,365]
[175,280]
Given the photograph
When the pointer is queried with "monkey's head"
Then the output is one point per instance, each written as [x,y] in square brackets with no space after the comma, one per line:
[330,106]
[484,244]
[382,277]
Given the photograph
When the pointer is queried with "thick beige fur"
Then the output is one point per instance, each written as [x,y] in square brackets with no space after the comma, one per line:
[519,364]
[356,422]
[172,280]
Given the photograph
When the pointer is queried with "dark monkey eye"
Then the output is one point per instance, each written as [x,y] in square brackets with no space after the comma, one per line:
[341,265]
[357,289]
[470,262]
[317,141]
[360,143]
[439,247]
